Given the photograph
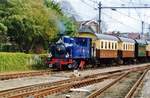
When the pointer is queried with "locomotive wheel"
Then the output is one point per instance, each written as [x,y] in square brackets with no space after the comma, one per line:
[70,66]
[58,66]
[120,62]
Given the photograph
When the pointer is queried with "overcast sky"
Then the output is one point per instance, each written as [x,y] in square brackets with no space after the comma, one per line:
[124,20]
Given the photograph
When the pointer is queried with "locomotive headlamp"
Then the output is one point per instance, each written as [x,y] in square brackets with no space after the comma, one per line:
[67,55]
[50,55]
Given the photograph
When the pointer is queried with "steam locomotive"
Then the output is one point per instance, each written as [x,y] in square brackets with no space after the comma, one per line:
[96,49]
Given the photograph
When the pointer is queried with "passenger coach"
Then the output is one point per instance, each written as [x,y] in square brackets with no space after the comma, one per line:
[148,50]
[106,48]
[140,50]
[126,51]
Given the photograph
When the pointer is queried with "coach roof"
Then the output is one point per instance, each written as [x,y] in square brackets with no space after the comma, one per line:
[140,41]
[107,37]
[148,42]
[123,39]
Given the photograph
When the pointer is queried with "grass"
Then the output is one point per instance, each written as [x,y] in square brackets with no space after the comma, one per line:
[21,62]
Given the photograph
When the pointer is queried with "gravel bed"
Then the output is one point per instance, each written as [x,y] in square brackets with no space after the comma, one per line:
[120,89]
[82,92]
[20,82]
[144,90]
[26,81]
[98,70]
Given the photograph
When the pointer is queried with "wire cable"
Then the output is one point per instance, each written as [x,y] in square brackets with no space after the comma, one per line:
[119,21]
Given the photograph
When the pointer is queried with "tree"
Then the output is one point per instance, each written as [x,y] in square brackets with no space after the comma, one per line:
[29,23]
[70,25]
[65,24]
[3,30]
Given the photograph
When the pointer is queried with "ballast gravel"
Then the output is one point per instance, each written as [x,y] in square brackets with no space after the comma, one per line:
[144,91]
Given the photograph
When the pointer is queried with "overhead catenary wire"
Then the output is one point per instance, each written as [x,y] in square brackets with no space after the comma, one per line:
[120,7]
[130,16]
[138,14]
[119,21]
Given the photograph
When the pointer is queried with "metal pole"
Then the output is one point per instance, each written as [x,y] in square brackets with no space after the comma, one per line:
[149,31]
[124,7]
[142,28]
[100,8]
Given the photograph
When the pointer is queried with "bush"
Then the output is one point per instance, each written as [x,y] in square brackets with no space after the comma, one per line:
[21,61]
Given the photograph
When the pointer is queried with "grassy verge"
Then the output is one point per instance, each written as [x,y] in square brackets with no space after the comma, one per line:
[21,62]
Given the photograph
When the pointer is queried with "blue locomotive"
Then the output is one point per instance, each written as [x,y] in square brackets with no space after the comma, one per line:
[69,52]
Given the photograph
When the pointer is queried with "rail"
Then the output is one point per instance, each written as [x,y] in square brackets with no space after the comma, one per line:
[132,91]
[63,85]
[98,92]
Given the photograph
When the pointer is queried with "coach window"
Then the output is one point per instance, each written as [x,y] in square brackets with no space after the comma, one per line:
[105,45]
[132,47]
[109,45]
[112,45]
[129,47]
[123,46]
[102,44]
[115,46]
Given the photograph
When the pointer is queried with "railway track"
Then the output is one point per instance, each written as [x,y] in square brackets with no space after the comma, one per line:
[27,74]
[45,89]
[44,86]
[24,74]
[132,91]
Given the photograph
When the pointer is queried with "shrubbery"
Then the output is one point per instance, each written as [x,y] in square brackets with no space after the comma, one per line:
[21,61]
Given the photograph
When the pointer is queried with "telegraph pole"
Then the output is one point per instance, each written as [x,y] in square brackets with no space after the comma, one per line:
[100,8]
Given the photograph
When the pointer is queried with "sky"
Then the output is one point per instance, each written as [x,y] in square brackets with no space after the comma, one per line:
[123,20]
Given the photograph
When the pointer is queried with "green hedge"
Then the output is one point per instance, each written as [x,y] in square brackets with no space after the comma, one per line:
[21,61]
